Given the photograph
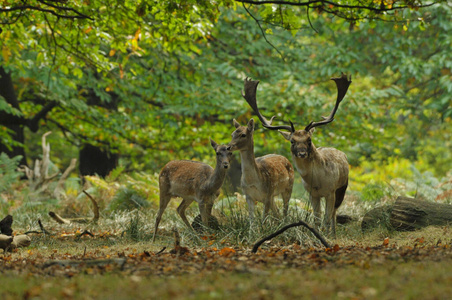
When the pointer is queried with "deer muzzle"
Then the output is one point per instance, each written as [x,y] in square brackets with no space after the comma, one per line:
[226,165]
[301,153]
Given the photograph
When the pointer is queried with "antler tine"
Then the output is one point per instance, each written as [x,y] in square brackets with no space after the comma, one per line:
[342,84]
[249,93]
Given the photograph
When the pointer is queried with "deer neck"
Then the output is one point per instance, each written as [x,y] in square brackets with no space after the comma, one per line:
[250,171]
[305,166]
[215,181]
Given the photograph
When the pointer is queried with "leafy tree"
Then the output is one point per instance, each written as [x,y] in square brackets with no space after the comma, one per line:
[153,82]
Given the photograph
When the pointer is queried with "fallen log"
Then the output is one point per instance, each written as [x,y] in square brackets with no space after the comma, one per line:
[409,214]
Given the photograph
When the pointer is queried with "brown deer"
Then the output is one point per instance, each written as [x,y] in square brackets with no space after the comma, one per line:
[193,181]
[264,177]
[324,170]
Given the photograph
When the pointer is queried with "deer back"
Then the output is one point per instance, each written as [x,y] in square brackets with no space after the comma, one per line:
[277,173]
[183,178]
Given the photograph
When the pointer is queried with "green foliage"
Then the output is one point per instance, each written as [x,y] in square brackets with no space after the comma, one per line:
[135,228]
[373,192]
[400,177]
[127,198]
[8,171]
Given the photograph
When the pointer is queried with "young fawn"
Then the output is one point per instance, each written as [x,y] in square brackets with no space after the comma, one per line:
[193,181]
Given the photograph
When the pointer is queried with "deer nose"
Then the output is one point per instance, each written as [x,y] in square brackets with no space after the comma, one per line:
[302,154]
[225,165]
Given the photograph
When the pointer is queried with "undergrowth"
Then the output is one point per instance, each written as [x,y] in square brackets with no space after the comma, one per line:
[128,205]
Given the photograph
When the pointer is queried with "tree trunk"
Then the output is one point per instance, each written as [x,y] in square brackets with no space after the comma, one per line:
[411,214]
[13,123]
[93,160]
[16,124]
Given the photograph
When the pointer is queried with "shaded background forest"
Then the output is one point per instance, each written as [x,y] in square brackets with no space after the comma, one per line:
[150,83]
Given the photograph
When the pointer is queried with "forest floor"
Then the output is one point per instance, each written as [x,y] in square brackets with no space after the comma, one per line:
[68,265]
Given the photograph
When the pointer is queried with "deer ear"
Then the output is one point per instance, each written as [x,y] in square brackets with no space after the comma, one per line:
[250,125]
[214,144]
[311,131]
[285,134]
[236,124]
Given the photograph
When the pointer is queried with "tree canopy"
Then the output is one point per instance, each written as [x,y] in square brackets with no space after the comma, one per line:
[154,79]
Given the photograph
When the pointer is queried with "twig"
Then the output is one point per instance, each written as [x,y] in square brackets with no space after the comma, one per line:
[95,207]
[163,249]
[300,223]
[263,32]
[33,231]
[309,19]
[58,218]
[43,229]
[86,232]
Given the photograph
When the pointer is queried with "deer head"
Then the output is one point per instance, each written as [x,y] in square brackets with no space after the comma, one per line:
[242,137]
[223,154]
[300,140]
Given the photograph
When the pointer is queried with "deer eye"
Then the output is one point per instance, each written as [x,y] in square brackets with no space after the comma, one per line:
[292,142]
[243,135]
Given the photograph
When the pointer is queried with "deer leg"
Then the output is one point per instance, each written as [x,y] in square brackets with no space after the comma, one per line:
[333,222]
[204,211]
[274,208]
[315,201]
[250,207]
[181,211]
[329,213]
[270,204]
[267,206]
[210,206]
[164,200]
[286,199]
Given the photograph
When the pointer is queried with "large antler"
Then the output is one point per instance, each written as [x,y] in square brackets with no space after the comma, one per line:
[342,84]
[249,93]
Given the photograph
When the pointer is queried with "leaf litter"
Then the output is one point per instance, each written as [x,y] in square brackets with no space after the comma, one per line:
[184,260]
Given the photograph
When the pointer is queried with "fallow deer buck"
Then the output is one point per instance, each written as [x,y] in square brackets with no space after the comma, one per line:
[324,170]
[265,177]
[193,181]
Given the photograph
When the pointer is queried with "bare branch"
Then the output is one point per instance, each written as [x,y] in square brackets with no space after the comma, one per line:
[59,10]
[299,223]
[263,33]
[376,8]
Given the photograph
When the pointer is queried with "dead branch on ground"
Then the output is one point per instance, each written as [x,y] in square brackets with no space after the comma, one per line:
[300,223]
[57,218]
